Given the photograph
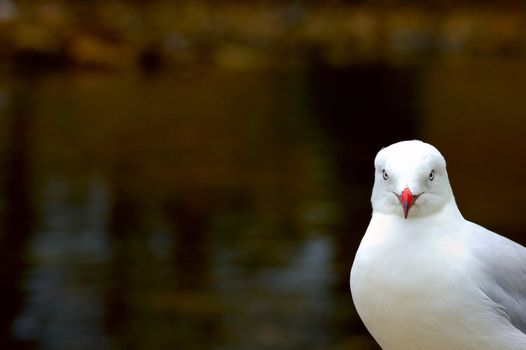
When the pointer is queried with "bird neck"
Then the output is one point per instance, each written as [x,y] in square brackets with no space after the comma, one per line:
[451,210]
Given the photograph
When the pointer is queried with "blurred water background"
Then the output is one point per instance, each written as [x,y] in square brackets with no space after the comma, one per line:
[196,174]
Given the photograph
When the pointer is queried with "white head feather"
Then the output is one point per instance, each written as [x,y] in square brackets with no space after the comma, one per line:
[417,166]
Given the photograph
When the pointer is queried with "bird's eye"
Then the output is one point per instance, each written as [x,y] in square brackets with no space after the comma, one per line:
[384,174]
[431,176]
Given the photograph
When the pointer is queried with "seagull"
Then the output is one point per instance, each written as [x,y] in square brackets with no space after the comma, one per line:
[424,278]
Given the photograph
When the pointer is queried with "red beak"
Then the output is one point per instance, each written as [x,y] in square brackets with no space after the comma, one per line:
[407,200]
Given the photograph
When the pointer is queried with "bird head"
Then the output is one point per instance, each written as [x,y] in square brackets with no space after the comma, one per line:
[410,180]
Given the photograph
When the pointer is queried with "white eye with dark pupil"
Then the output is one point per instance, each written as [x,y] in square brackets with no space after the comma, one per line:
[431,175]
[384,174]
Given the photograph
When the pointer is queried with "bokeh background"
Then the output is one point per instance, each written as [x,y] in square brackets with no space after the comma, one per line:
[196,174]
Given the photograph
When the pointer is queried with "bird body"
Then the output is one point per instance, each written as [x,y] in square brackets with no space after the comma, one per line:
[426,278]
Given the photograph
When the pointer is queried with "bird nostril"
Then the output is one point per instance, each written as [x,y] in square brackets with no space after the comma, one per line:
[407,196]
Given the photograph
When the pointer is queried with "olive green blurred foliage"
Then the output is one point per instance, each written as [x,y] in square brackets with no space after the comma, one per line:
[240,34]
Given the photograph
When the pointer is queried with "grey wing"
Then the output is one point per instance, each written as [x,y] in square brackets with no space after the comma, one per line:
[505,266]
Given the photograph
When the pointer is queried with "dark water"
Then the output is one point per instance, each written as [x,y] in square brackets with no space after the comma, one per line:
[221,209]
